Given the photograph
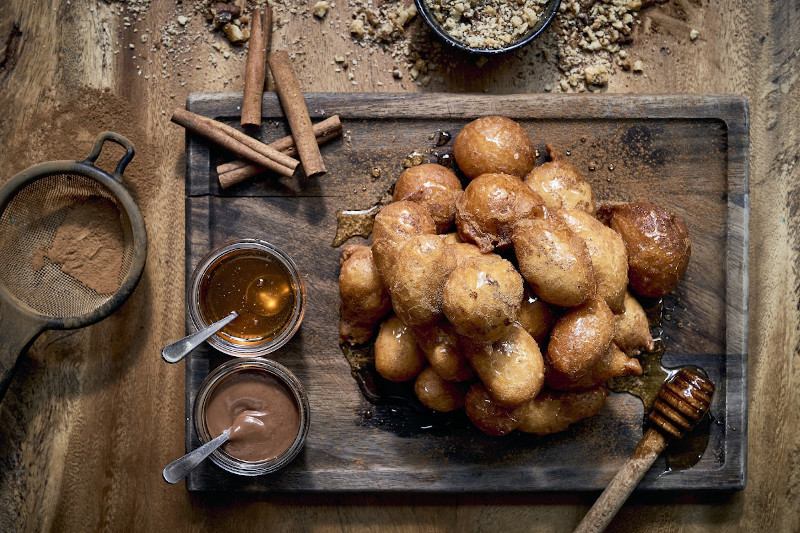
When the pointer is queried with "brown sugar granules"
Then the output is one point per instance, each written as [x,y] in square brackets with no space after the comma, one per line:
[88,245]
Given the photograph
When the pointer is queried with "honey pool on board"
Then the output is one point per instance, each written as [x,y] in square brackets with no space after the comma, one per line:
[257,286]
[411,416]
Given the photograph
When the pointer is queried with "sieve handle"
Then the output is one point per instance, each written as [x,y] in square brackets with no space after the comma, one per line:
[17,333]
[120,140]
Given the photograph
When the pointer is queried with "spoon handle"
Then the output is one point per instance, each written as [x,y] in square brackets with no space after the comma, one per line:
[180,468]
[172,353]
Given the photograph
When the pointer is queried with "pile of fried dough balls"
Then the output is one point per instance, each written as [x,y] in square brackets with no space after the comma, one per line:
[522,314]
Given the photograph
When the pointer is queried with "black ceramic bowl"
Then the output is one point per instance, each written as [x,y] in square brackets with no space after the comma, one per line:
[548,13]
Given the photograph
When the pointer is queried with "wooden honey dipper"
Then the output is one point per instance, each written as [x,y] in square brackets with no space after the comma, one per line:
[680,404]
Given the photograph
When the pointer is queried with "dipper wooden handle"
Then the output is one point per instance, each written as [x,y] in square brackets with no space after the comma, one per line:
[680,404]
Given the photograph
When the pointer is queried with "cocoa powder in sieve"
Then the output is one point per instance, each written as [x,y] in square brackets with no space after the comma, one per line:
[88,245]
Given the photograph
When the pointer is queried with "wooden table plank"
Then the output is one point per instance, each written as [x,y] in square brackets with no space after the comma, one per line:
[71,451]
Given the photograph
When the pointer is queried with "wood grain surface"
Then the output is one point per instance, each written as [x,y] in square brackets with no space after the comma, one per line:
[685,152]
[94,414]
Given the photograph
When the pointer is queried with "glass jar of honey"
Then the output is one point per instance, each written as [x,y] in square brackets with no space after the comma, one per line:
[258,281]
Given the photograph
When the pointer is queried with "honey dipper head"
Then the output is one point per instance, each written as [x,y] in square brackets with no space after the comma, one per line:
[682,402]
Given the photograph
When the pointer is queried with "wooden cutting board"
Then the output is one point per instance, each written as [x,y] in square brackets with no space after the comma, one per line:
[687,153]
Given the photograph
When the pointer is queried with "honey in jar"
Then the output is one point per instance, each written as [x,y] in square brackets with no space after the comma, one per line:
[255,284]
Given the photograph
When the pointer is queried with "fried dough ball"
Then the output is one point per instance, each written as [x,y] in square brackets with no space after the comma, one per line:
[489,208]
[607,251]
[435,188]
[554,261]
[494,144]
[365,301]
[482,297]
[535,316]
[397,356]
[658,247]
[451,238]
[437,393]
[487,416]
[440,345]
[632,331]
[511,368]
[422,265]
[462,250]
[580,338]
[395,224]
[612,364]
[560,184]
[553,411]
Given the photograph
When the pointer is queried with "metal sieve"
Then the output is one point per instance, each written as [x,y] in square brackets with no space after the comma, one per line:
[33,206]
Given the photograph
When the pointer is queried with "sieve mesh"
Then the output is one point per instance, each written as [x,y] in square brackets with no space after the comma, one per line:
[29,223]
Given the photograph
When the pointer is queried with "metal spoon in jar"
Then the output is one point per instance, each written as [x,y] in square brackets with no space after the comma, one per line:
[180,468]
[172,353]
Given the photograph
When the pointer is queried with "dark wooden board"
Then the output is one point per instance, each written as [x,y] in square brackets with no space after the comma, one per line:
[688,153]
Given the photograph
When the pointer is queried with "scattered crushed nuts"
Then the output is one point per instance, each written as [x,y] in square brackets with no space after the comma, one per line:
[235,34]
[321,9]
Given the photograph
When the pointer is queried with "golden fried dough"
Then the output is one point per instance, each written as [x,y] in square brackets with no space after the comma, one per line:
[462,250]
[440,345]
[580,338]
[607,251]
[487,416]
[365,301]
[612,364]
[560,184]
[511,368]
[482,297]
[494,144]
[535,316]
[632,331]
[397,356]
[451,238]
[552,411]
[658,247]
[554,261]
[437,393]
[422,265]
[395,224]
[489,208]
[435,188]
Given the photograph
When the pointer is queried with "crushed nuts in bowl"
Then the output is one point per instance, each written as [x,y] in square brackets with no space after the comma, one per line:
[487,26]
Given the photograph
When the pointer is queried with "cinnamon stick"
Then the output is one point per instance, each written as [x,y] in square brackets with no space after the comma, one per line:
[263,149]
[288,88]
[239,170]
[255,72]
[267,38]
[324,131]
[239,143]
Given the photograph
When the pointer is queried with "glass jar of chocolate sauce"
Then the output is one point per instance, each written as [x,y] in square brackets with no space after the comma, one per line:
[266,408]
[258,281]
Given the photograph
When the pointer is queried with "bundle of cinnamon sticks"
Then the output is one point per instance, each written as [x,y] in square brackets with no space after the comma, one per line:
[278,156]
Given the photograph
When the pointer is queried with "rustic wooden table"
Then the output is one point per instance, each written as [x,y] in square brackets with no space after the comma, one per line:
[93,415]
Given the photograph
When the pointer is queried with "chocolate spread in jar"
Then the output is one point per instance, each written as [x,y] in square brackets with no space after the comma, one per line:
[261,410]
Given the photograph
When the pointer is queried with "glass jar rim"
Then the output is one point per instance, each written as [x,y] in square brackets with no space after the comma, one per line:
[254,348]
[228,462]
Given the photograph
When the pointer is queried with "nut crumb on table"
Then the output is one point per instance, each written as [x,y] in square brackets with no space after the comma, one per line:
[584,48]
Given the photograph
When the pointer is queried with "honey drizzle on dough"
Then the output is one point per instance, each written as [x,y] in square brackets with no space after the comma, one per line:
[680,454]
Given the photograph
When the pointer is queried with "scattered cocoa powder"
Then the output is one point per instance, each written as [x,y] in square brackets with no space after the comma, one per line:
[88,245]
[77,117]
[37,258]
